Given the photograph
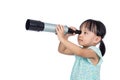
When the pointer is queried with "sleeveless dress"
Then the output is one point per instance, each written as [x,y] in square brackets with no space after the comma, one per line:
[84,69]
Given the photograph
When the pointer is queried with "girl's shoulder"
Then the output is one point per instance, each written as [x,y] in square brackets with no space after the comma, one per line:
[96,49]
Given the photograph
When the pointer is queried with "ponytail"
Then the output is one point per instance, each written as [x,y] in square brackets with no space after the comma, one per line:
[102,47]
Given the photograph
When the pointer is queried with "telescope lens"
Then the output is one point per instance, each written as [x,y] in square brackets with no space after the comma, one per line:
[27,24]
[34,25]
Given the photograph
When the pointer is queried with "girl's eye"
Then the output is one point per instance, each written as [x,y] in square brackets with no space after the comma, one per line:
[85,32]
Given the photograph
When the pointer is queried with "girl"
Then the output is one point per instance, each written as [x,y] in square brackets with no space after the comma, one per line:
[88,56]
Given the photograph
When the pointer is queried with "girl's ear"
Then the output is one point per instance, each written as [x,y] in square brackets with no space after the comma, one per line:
[97,39]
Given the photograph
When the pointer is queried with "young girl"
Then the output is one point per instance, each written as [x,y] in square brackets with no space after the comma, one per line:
[88,56]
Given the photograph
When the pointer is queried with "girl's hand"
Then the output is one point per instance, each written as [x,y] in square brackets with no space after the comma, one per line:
[69,34]
[60,32]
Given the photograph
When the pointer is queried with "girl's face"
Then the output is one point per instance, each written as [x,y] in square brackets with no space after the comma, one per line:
[87,38]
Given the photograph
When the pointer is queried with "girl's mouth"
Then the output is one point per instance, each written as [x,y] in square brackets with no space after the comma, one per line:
[80,40]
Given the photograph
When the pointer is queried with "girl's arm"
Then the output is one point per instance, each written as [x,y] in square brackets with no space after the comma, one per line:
[62,49]
[76,50]
[68,47]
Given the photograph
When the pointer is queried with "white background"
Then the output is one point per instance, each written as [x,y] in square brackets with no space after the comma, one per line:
[29,55]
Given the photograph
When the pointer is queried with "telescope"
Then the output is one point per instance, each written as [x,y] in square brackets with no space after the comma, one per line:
[36,25]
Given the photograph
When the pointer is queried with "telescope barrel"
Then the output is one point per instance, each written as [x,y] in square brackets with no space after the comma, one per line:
[35,25]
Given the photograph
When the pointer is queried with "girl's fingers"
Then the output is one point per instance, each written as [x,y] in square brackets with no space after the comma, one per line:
[60,28]
[73,28]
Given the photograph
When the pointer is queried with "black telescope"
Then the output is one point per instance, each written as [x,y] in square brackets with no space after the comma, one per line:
[35,25]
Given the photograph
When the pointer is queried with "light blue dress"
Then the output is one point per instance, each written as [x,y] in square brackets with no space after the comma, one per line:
[84,69]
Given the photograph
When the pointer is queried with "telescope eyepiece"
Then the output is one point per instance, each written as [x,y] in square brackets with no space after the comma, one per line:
[72,31]
[78,32]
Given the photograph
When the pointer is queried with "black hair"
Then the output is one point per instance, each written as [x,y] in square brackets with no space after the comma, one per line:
[99,29]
